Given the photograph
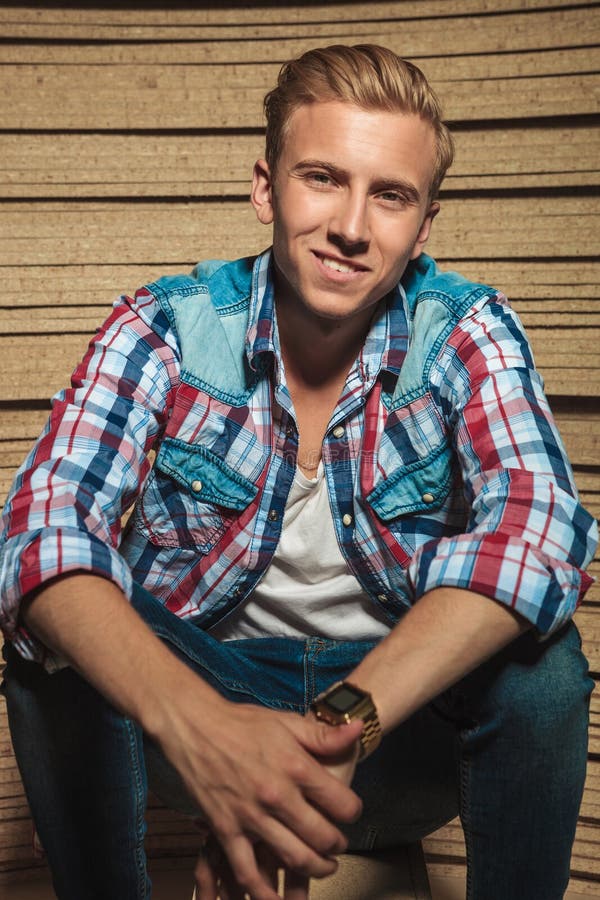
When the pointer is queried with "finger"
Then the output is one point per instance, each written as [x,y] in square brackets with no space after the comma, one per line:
[242,859]
[335,799]
[295,886]
[310,827]
[221,880]
[321,787]
[310,800]
[292,852]
[310,805]
[229,889]
[205,879]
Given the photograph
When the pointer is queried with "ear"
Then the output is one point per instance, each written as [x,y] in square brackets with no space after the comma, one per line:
[425,230]
[261,196]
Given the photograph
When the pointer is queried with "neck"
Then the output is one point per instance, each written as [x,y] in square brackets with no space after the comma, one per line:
[319,350]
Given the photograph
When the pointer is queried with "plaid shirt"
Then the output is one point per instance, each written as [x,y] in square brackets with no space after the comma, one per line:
[442,461]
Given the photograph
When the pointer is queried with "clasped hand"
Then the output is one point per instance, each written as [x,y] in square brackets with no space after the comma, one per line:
[271,785]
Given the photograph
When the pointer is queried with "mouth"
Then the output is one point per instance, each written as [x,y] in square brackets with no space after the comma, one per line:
[343,266]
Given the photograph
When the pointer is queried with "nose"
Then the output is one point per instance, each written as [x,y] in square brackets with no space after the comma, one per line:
[349,223]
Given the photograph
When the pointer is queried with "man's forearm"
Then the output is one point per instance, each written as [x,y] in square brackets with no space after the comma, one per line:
[445,635]
[88,621]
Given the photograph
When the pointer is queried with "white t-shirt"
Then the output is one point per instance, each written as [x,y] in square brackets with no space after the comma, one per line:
[308,589]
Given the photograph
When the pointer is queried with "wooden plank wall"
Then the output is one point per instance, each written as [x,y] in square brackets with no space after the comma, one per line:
[127,137]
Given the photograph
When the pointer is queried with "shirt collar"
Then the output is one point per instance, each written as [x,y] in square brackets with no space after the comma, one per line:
[385,345]
[262,336]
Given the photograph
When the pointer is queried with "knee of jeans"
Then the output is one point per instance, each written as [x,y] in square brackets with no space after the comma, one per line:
[540,687]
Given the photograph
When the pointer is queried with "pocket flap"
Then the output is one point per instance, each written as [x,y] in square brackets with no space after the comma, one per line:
[204,474]
[420,486]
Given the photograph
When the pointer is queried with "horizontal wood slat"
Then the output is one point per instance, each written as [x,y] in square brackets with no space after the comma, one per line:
[588,622]
[477,51]
[514,157]
[20,21]
[213,96]
[109,165]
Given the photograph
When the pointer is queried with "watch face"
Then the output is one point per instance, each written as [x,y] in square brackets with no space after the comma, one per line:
[343,698]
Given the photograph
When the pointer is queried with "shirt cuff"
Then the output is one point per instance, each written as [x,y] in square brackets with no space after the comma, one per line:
[544,591]
[28,561]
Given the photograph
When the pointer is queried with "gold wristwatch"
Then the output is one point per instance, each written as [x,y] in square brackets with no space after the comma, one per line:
[344,702]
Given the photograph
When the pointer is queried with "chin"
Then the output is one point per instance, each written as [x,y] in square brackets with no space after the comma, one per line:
[331,311]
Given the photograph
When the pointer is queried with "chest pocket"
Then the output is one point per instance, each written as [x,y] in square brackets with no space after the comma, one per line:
[421,486]
[191,497]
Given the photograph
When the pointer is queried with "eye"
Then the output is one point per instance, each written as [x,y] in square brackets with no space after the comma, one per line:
[393,198]
[322,179]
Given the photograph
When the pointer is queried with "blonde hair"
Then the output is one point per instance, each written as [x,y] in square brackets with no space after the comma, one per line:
[367,75]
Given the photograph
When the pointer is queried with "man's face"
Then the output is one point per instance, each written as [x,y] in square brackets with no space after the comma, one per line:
[349,205]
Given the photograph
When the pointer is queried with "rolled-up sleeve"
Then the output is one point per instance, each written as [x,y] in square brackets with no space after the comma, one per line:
[64,511]
[528,539]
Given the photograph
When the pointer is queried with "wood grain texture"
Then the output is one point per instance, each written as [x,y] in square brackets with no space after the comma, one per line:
[271,40]
[19,21]
[230,96]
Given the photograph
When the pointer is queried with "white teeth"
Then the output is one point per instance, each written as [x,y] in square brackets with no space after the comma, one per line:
[338,266]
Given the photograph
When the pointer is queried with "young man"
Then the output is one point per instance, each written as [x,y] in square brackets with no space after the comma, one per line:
[357,479]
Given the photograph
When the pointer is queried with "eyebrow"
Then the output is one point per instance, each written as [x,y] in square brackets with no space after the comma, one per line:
[406,188]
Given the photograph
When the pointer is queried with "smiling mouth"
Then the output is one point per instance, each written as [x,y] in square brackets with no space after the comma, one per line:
[339,266]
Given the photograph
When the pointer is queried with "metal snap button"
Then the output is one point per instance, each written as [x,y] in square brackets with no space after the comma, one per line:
[196,486]
[427,497]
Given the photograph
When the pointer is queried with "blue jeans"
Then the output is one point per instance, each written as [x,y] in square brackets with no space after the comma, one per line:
[505,748]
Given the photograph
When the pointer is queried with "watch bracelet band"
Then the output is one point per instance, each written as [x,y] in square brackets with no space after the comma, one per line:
[370,737]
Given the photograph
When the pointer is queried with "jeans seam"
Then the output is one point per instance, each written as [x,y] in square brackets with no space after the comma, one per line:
[140,809]
[314,647]
[465,792]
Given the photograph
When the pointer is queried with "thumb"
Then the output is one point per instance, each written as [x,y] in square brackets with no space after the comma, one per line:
[325,740]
